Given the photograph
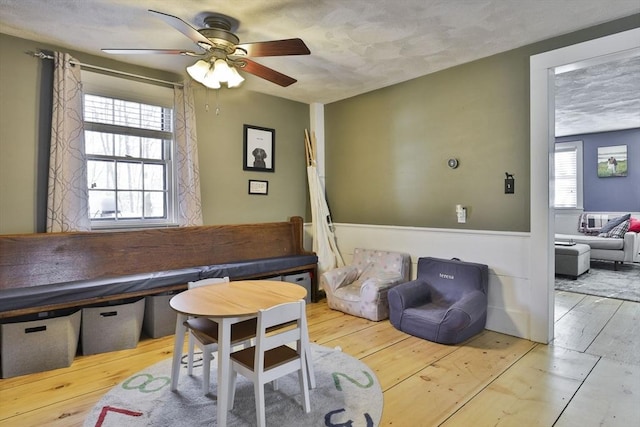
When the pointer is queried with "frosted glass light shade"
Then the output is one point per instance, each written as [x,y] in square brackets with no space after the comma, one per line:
[199,70]
[221,70]
[210,81]
[235,79]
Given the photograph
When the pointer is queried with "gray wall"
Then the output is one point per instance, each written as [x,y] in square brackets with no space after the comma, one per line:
[386,150]
[25,127]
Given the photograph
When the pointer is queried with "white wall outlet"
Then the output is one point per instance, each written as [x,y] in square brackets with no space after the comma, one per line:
[461,212]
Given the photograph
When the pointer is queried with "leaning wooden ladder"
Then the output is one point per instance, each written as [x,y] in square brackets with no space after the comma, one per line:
[324,241]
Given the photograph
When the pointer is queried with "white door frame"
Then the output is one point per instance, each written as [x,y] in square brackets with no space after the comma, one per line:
[542,121]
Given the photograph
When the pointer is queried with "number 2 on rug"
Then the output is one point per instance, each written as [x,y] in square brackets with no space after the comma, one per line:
[337,375]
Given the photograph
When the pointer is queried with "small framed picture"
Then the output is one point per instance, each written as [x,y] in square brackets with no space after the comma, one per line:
[258,187]
[259,149]
[612,161]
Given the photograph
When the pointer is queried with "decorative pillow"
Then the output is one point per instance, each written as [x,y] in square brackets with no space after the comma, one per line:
[614,222]
[618,231]
[634,225]
[591,223]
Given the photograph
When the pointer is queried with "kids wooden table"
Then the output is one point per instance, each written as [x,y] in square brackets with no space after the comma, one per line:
[226,304]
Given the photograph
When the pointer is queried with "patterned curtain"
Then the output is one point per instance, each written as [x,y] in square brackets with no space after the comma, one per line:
[188,175]
[67,198]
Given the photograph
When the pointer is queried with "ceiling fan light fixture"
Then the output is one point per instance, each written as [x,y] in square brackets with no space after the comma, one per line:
[212,75]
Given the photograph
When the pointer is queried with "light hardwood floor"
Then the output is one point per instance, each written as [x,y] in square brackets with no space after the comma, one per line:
[589,375]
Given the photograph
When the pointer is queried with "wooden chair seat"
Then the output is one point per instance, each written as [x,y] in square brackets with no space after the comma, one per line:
[271,357]
[206,330]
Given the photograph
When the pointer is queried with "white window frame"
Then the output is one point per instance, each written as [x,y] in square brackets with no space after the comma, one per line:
[145,93]
[574,147]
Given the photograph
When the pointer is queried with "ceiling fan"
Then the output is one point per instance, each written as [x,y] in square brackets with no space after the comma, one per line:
[222,53]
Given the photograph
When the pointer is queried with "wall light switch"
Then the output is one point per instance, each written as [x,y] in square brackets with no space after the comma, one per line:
[509,184]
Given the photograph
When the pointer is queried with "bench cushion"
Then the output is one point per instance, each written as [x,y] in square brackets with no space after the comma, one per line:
[257,267]
[58,293]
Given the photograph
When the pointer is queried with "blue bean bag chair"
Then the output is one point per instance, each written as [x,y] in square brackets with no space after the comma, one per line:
[447,303]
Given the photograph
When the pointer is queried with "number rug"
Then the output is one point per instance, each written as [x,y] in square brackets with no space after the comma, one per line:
[347,393]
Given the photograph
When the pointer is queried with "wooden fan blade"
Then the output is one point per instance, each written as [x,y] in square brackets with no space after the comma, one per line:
[183,27]
[275,48]
[151,52]
[266,73]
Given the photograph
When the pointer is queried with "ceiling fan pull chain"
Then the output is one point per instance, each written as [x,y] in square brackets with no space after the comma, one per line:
[217,102]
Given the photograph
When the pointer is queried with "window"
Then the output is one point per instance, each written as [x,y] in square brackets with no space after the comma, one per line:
[568,175]
[129,147]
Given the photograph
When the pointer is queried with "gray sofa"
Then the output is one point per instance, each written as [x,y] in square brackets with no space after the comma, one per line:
[607,248]
[618,250]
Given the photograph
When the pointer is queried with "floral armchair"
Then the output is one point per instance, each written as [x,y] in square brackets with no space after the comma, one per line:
[361,288]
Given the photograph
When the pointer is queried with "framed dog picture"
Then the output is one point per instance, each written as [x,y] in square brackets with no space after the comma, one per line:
[259,149]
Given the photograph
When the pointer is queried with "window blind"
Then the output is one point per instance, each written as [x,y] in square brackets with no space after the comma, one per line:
[568,175]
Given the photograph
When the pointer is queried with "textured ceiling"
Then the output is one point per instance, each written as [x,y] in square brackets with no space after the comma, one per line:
[356,45]
[599,98]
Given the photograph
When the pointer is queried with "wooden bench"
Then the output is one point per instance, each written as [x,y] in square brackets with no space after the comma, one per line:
[126,264]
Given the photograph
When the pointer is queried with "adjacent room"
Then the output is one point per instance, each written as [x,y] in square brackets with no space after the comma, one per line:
[319,213]
[596,116]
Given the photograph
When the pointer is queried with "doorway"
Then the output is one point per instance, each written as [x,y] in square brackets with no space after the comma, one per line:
[542,70]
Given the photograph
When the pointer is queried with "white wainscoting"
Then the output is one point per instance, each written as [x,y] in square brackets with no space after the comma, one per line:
[506,253]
